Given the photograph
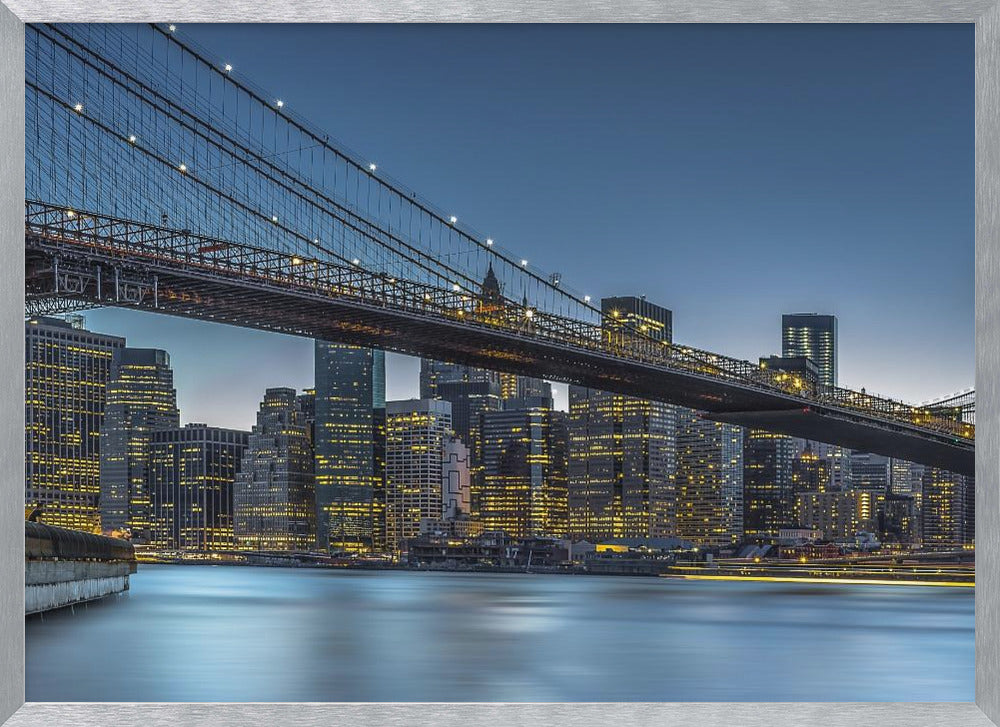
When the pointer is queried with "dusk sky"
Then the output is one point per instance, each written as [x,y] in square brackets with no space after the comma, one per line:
[731,173]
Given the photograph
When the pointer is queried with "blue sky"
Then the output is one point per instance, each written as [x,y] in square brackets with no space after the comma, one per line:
[731,173]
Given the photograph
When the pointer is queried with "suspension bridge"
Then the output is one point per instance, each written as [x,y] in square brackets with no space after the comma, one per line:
[159,179]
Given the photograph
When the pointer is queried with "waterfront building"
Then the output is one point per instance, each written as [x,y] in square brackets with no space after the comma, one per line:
[192,470]
[274,506]
[947,510]
[812,336]
[839,514]
[898,520]
[349,442]
[66,375]
[416,433]
[141,399]
[709,480]
[523,454]
[768,484]
[622,466]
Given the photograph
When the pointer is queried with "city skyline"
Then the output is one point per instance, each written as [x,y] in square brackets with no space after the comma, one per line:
[853,203]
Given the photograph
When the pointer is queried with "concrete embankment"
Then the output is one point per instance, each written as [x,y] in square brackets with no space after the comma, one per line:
[63,567]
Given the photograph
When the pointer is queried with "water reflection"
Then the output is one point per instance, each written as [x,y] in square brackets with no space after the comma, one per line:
[204,633]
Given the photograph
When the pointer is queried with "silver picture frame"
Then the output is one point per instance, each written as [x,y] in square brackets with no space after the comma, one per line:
[985,14]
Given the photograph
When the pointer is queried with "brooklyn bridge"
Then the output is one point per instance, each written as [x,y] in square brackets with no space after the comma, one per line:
[159,179]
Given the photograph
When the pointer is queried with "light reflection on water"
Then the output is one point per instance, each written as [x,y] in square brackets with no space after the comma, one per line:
[204,633]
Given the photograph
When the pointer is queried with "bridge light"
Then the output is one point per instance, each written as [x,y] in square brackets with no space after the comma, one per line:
[70,213]
[456,287]
[78,107]
[489,242]
[356,261]
[172,28]
[392,280]
[529,313]
[453,219]
[131,139]
[182,167]
[586,299]
[524,263]
[296,260]
[228,68]
[315,241]
[427,296]
[274,218]
[372,167]
[279,103]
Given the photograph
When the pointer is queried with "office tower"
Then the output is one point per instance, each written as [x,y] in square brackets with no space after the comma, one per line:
[192,470]
[898,520]
[66,375]
[768,484]
[516,388]
[838,514]
[870,472]
[416,433]
[349,442]
[141,399]
[307,405]
[906,479]
[274,498]
[709,480]
[637,314]
[947,508]
[810,472]
[455,490]
[814,336]
[523,453]
[622,466]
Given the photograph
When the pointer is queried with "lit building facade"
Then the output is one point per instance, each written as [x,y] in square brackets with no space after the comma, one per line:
[192,473]
[622,466]
[141,400]
[947,508]
[523,452]
[455,485]
[637,314]
[870,472]
[768,484]
[841,514]
[810,472]
[349,442]
[416,433]
[274,505]
[709,480]
[813,336]
[66,376]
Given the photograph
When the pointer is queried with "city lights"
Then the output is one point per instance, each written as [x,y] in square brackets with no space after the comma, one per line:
[131,139]
[453,219]
[228,68]
[279,103]
[372,167]
[78,107]
[182,167]
[172,28]
[489,242]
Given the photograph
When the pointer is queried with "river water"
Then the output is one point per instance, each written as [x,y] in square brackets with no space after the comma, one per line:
[217,633]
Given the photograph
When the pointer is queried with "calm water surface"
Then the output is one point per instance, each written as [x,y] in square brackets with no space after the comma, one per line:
[212,633]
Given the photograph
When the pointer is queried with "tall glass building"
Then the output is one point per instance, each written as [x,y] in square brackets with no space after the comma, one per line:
[192,472]
[349,442]
[66,374]
[523,452]
[417,431]
[274,498]
[768,484]
[141,400]
[622,466]
[814,336]
[709,480]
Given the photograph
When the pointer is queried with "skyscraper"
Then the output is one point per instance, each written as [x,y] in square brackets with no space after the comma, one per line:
[768,484]
[67,371]
[622,466]
[523,454]
[350,447]
[141,400]
[416,433]
[637,314]
[274,506]
[192,470]
[622,449]
[814,336]
[709,480]
[947,508]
